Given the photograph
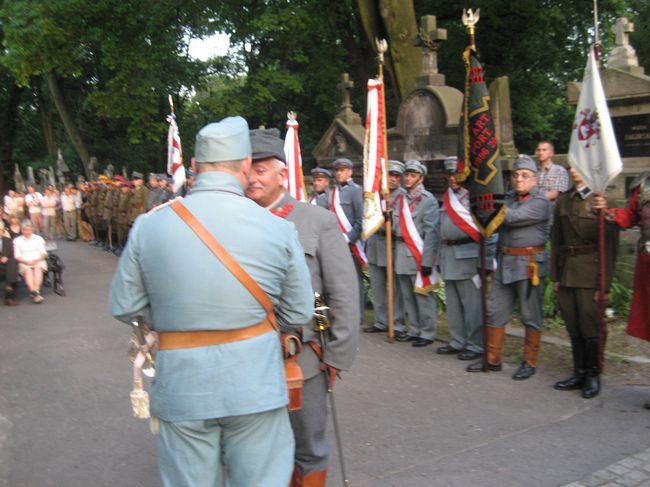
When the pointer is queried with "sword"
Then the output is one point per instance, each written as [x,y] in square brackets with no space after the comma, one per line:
[321,325]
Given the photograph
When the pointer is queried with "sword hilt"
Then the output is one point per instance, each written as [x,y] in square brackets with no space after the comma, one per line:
[321,320]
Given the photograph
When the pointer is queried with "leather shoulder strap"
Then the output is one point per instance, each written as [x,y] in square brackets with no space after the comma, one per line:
[226,259]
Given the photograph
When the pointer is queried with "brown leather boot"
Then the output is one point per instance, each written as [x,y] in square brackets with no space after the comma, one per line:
[312,479]
[531,347]
[495,339]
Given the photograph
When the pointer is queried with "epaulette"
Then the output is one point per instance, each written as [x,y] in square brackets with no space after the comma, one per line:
[164,205]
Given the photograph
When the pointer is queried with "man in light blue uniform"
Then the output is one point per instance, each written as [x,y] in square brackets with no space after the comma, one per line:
[377,265]
[222,408]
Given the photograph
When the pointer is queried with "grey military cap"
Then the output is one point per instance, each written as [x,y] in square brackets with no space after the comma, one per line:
[266,143]
[451,164]
[320,171]
[227,140]
[415,166]
[342,162]
[396,167]
[136,175]
[524,162]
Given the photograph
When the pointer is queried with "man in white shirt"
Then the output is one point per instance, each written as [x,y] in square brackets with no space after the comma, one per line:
[33,200]
[69,208]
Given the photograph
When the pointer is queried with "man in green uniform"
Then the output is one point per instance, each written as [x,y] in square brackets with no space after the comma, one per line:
[140,193]
[124,203]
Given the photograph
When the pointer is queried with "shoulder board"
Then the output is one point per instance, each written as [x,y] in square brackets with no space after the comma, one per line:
[164,205]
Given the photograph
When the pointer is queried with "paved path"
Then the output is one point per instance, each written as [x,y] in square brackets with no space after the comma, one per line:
[409,418]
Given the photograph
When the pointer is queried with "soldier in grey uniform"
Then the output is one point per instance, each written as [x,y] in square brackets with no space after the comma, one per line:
[164,194]
[459,261]
[320,184]
[154,192]
[332,276]
[522,264]
[221,405]
[351,198]
[377,264]
[420,308]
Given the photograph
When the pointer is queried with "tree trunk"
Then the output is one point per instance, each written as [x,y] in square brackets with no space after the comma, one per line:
[68,121]
[46,123]
[8,130]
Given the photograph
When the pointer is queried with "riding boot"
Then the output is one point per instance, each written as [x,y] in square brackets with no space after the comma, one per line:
[312,479]
[592,383]
[495,339]
[577,380]
[528,366]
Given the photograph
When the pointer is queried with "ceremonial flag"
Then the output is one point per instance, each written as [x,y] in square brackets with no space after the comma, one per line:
[374,161]
[175,166]
[593,150]
[478,155]
[295,184]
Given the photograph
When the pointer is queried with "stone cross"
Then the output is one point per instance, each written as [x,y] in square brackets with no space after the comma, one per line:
[429,37]
[346,85]
[622,30]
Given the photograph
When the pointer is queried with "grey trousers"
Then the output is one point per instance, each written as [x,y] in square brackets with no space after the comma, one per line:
[362,289]
[309,427]
[249,450]
[49,226]
[421,309]
[378,284]
[504,297]
[70,223]
[464,315]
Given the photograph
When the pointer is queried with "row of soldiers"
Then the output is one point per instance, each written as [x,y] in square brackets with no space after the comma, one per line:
[112,205]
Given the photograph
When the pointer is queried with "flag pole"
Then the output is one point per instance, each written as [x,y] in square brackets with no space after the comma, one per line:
[382,47]
[601,296]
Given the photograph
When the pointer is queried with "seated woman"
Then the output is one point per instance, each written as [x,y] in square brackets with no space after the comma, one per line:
[30,253]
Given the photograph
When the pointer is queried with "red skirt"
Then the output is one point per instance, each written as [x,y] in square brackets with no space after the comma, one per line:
[638,324]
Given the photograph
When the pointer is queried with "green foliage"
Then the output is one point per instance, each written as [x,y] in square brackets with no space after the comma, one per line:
[620,298]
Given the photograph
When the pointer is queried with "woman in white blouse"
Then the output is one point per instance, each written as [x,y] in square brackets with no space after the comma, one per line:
[30,253]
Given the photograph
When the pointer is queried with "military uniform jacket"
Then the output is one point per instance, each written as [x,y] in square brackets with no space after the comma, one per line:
[351,197]
[458,262]
[139,202]
[526,224]
[107,204]
[575,225]
[153,198]
[334,277]
[171,278]
[124,203]
[322,199]
[376,244]
[424,210]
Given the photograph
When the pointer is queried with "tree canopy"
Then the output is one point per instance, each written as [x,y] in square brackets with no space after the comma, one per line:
[93,78]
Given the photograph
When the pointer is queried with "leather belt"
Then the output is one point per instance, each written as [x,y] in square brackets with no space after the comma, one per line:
[174,340]
[521,250]
[461,241]
[572,250]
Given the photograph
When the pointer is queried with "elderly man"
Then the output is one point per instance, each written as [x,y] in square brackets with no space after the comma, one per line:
[574,272]
[377,265]
[460,261]
[521,267]
[332,276]
[553,179]
[220,393]
[320,185]
[415,219]
[346,202]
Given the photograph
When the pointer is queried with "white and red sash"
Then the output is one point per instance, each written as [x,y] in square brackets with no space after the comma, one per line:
[345,226]
[460,215]
[413,240]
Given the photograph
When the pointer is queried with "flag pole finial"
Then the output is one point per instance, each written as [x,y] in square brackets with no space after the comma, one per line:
[382,47]
[171,104]
[470,19]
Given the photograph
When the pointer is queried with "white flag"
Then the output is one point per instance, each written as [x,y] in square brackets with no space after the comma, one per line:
[175,166]
[593,151]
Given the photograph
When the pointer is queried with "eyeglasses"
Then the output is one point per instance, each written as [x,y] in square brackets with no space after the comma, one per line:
[523,176]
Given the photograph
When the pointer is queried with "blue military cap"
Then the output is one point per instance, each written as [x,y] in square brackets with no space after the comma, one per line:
[342,162]
[396,167]
[415,166]
[136,175]
[524,162]
[451,164]
[227,140]
[320,171]
[266,143]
